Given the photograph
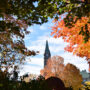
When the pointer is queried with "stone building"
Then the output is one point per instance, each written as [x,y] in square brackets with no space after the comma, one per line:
[85,75]
[47,54]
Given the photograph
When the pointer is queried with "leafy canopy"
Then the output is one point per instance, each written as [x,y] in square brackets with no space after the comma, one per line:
[76,9]
[68,73]
[72,36]
[15,17]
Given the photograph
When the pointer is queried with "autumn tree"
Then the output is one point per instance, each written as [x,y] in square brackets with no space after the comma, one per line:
[75,26]
[71,76]
[54,67]
[28,77]
[75,10]
[71,35]
[55,83]
[15,17]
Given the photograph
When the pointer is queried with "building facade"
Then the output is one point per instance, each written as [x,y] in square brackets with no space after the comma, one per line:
[85,75]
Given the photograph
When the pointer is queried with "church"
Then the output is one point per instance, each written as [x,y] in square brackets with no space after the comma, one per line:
[47,53]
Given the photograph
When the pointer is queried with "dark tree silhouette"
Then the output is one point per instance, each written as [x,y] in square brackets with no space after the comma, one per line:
[55,83]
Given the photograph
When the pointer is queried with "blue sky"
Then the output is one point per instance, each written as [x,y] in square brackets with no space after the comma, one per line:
[36,40]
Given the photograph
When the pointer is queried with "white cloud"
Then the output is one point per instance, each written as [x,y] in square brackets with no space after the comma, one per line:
[51,40]
[36,61]
[56,46]
[29,69]
[37,47]
[34,65]
[44,27]
[81,63]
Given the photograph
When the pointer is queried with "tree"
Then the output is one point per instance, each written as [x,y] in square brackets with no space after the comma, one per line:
[73,36]
[71,76]
[75,27]
[35,84]
[55,83]
[76,9]
[15,17]
[28,77]
[54,67]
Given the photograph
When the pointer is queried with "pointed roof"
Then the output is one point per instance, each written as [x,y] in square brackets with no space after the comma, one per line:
[47,53]
[47,47]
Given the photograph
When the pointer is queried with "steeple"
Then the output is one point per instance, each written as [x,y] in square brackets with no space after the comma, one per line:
[47,54]
[47,47]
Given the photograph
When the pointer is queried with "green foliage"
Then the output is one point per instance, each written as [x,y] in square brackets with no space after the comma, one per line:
[36,84]
[85,33]
[15,17]
[75,9]
[7,84]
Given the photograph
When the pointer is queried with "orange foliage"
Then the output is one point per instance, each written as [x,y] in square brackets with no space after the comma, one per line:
[71,35]
[54,67]
[69,73]
[71,76]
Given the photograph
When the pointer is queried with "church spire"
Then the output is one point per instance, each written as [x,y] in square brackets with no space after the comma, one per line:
[47,47]
[47,53]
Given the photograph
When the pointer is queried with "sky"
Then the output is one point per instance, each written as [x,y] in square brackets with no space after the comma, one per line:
[36,40]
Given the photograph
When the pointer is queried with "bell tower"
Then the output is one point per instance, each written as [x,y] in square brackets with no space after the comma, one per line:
[47,54]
